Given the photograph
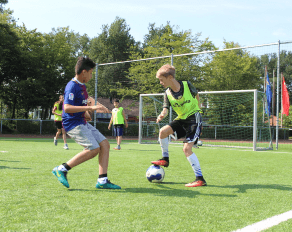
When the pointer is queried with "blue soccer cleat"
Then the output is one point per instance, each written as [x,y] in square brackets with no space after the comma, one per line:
[107,185]
[62,176]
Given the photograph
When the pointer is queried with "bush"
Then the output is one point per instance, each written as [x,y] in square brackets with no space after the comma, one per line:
[27,127]
[6,129]
[48,127]
[132,130]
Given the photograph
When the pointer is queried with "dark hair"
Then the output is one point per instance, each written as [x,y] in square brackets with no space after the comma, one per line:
[117,100]
[84,63]
[60,105]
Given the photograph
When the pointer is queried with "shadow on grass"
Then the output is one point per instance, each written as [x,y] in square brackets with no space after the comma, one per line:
[81,190]
[167,191]
[9,161]
[140,150]
[164,191]
[97,190]
[244,187]
[5,167]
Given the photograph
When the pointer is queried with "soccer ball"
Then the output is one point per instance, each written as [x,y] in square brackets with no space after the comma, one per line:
[155,174]
[200,143]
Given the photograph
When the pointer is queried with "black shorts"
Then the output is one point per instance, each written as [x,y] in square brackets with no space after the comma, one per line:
[59,124]
[189,128]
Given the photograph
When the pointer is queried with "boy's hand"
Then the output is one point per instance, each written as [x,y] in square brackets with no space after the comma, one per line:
[159,118]
[87,116]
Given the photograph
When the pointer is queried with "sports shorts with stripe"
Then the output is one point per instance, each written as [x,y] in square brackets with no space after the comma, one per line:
[189,128]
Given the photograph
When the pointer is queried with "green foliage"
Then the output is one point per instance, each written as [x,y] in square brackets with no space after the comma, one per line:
[132,130]
[163,41]
[231,70]
[114,44]
[35,67]
[287,120]
[28,127]
[2,2]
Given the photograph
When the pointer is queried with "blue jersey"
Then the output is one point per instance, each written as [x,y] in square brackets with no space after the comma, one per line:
[76,95]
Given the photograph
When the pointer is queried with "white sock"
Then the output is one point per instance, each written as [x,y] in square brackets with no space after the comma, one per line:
[62,168]
[164,147]
[195,164]
[102,180]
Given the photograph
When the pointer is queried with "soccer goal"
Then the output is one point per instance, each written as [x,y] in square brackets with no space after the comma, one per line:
[235,119]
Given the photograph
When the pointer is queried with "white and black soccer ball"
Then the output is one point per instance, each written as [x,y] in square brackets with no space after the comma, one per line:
[199,143]
[155,174]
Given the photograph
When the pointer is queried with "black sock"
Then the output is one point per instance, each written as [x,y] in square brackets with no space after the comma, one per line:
[102,175]
[66,166]
[165,158]
[200,178]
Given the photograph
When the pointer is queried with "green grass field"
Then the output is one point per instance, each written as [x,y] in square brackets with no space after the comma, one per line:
[244,187]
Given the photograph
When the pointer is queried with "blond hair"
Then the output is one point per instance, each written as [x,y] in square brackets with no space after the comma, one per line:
[166,70]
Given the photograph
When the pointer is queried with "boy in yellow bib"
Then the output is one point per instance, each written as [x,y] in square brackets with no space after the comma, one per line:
[57,111]
[119,120]
[183,97]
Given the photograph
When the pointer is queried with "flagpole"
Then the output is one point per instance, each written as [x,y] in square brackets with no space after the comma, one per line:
[281,100]
[277,112]
[264,105]
[273,99]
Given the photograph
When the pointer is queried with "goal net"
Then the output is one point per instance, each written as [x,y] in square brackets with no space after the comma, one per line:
[234,118]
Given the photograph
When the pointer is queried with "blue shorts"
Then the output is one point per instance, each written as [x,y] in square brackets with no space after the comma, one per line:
[118,130]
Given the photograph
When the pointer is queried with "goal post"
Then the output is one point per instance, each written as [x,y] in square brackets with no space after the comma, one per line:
[234,118]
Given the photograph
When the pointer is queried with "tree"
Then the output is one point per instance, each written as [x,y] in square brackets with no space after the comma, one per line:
[2,2]
[164,41]
[114,44]
[60,58]
[36,69]
[80,43]
[10,53]
[232,70]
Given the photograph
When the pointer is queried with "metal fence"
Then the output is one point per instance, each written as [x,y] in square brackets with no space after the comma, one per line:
[47,127]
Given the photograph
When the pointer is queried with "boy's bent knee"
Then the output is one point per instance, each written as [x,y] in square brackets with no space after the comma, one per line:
[104,144]
[165,131]
[94,152]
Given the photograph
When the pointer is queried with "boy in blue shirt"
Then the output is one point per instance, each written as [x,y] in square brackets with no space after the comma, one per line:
[75,113]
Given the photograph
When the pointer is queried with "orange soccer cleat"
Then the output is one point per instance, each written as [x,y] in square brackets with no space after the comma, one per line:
[196,183]
[161,162]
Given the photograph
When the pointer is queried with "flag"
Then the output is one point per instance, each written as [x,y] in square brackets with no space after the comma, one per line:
[269,95]
[285,98]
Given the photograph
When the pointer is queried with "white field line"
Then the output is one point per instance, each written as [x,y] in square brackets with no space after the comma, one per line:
[268,223]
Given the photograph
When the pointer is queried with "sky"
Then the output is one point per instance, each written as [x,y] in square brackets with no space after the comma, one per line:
[247,22]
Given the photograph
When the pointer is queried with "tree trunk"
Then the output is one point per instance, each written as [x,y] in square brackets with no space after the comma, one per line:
[13,108]
[50,116]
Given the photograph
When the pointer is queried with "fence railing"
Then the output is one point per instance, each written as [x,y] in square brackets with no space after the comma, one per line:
[47,127]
